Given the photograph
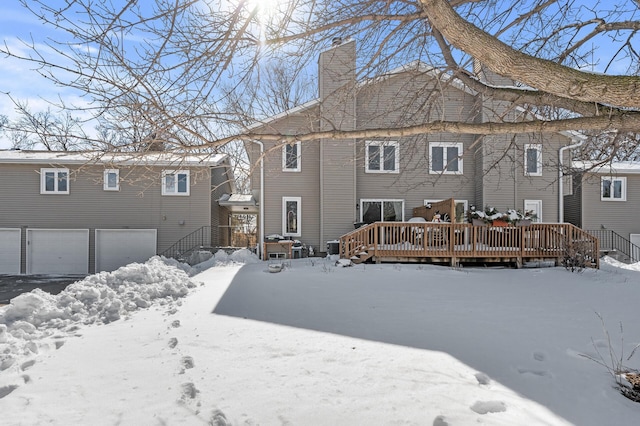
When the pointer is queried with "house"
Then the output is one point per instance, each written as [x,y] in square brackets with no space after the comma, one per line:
[605,199]
[86,212]
[316,191]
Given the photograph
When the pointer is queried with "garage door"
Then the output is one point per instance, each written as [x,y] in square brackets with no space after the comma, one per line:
[58,251]
[10,250]
[119,247]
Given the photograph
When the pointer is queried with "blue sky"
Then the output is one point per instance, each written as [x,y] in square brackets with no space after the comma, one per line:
[18,78]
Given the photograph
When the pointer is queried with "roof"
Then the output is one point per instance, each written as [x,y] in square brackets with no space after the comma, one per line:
[613,168]
[99,157]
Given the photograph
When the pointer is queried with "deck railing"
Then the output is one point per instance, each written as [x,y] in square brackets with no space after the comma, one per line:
[462,240]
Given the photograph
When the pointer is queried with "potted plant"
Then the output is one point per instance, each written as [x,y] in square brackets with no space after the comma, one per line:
[492,216]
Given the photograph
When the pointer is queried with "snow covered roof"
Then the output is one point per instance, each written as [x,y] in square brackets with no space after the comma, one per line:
[99,157]
[618,167]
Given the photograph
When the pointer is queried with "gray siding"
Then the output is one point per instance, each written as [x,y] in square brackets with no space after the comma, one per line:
[138,204]
[337,85]
[573,203]
[619,216]
[504,182]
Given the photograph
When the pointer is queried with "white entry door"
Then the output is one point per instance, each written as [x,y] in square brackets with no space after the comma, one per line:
[10,250]
[58,251]
[119,247]
[535,206]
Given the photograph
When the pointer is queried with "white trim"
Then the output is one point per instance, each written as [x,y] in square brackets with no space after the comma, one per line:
[298,217]
[56,158]
[464,202]
[537,209]
[538,148]
[106,185]
[382,144]
[173,189]
[623,188]
[298,157]
[382,201]
[56,171]
[445,159]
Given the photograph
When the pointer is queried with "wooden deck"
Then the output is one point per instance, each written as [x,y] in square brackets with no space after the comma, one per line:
[454,243]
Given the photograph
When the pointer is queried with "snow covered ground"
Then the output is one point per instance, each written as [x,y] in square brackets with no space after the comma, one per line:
[319,344]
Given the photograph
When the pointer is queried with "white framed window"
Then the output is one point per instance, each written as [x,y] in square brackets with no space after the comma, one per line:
[445,158]
[111,180]
[613,189]
[461,206]
[381,157]
[377,210]
[291,216]
[533,159]
[534,206]
[291,157]
[175,182]
[54,181]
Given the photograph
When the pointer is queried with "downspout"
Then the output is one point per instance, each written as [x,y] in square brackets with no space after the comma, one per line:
[261,222]
[560,177]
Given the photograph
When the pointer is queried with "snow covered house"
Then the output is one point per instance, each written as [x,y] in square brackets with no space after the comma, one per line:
[315,191]
[605,199]
[85,212]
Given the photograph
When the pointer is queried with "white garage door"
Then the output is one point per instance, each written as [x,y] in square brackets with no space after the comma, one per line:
[119,247]
[10,250]
[58,251]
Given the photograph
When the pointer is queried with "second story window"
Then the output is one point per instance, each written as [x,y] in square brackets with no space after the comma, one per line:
[111,180]
[291,157]
[533,159]
[614,189]
[445,158]
[381,157]
[175,182]
[54,181]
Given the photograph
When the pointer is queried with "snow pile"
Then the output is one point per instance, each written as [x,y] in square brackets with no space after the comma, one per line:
[221,258]
[97,299]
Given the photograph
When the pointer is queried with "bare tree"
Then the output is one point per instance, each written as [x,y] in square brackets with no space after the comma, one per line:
[190,70]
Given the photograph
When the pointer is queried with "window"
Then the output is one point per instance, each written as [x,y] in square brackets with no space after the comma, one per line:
[533,160]
[54,181]
[291,216]
[614,189]
[175,182]
[461,206]
[291,157]
[445,158]
[111,180]
[381,157]
[381,210]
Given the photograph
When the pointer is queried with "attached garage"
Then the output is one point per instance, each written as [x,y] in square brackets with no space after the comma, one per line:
[119,247]
[10,250]
[58,251]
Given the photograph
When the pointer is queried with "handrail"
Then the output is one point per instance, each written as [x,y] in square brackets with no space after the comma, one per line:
[201,237]
[611,240]
[462,240]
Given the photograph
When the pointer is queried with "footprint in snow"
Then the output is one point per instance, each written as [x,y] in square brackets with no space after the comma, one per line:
[539,356]
[6,390]
[173,342]
[485,407]
[440,421]
[483,379]
[186,363]
[27,365]
[175,323]
[189,391]
[218,419]
[539,373]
